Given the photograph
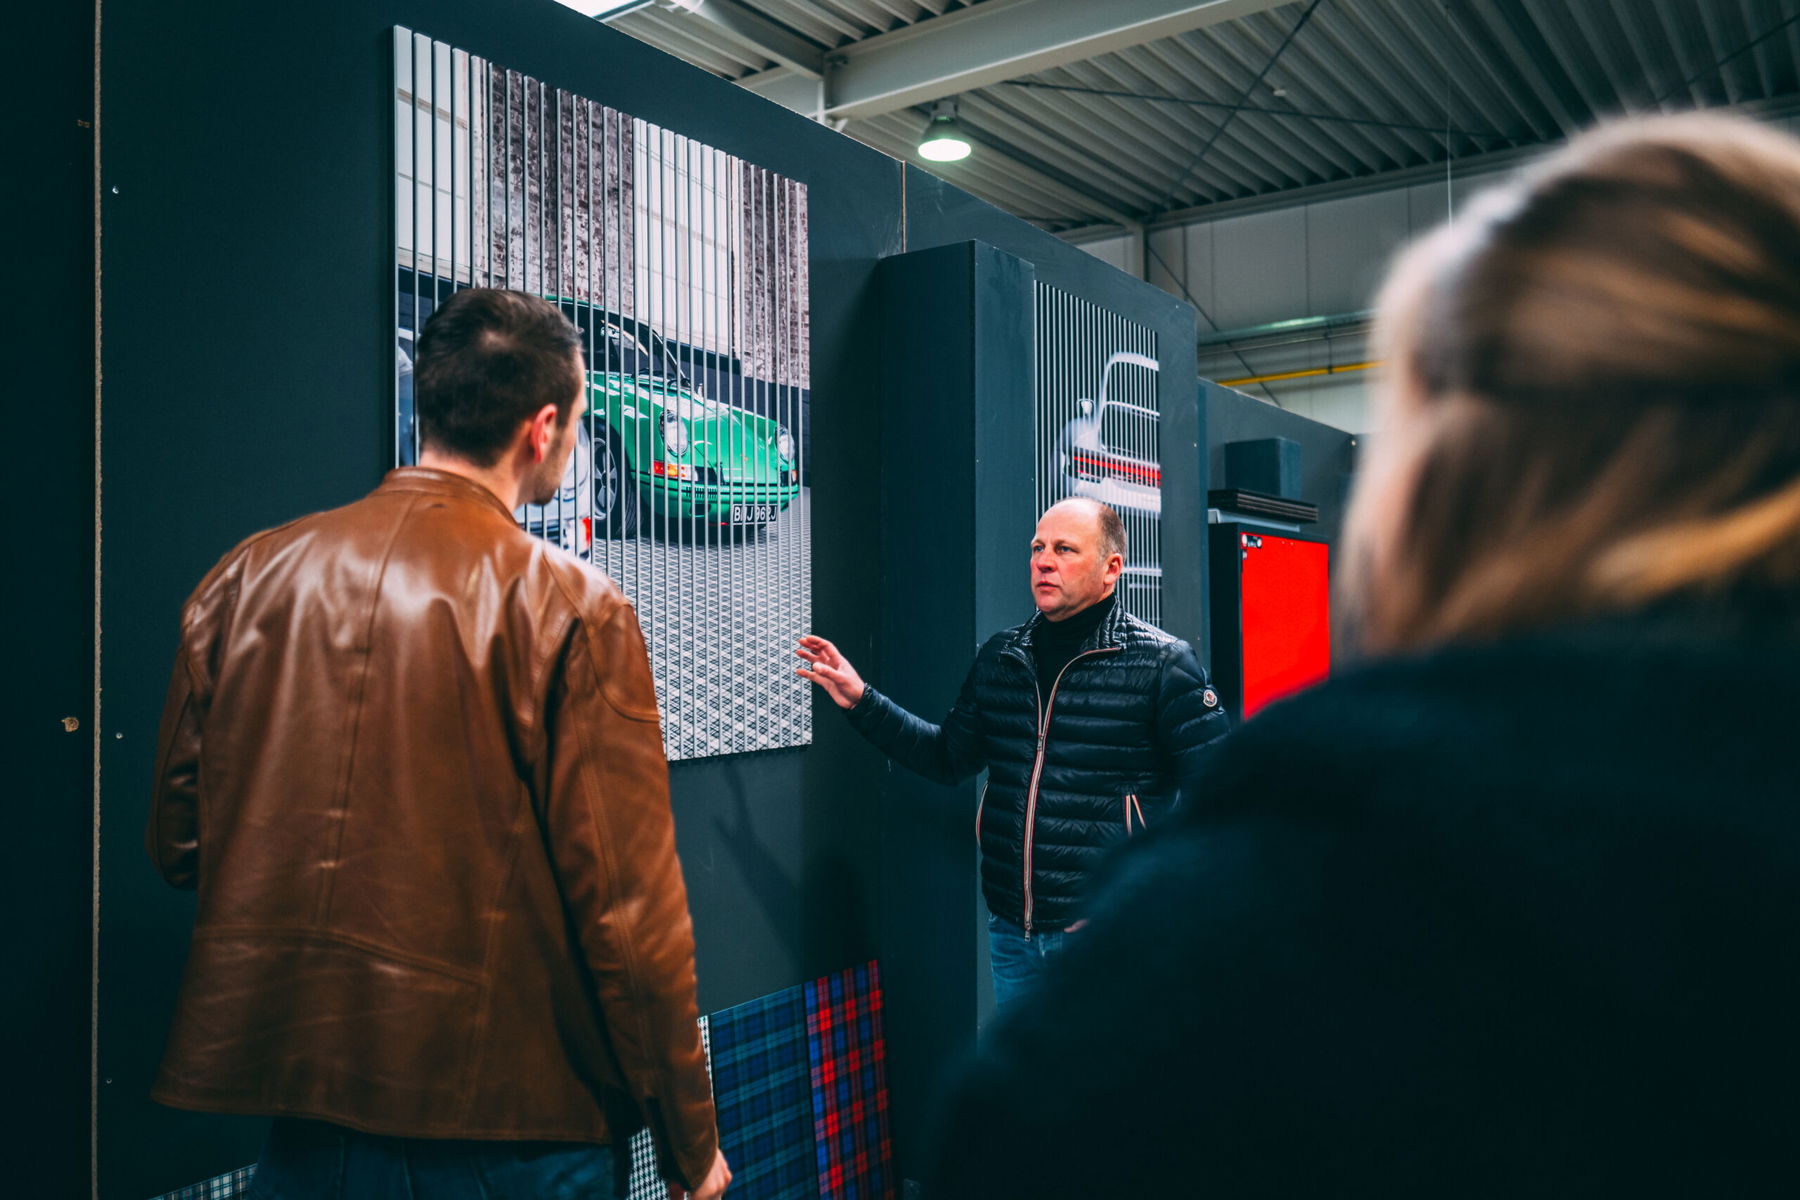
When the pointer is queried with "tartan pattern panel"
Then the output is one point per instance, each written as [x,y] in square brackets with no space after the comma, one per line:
[646,1182]
[849,1085]
[762,1084]
[228,1186]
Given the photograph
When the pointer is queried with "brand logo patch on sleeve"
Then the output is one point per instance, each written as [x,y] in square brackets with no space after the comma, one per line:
[1211,697]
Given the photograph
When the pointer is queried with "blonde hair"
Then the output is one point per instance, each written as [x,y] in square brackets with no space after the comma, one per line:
[1594,388]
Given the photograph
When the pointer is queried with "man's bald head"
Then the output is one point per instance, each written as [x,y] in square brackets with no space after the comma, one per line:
[1107,526]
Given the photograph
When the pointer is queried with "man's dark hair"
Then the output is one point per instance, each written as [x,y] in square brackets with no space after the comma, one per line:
[488,359]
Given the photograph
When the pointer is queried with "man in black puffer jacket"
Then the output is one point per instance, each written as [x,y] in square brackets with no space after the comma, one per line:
[1089,722]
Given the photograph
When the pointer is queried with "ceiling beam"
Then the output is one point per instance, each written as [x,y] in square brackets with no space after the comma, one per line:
[1002,39]
[786,48]
[789,88]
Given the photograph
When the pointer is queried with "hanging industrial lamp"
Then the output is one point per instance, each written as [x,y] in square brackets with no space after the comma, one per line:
[944,139]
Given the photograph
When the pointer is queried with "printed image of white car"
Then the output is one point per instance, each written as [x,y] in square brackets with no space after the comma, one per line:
[1109,450]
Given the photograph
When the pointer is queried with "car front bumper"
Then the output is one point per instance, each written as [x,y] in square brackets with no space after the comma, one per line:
[714,503]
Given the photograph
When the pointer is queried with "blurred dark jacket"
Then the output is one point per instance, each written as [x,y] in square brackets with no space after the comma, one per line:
[412,762]
[1512,920]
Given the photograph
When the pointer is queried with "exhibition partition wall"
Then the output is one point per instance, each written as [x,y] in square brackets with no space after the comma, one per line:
[256,282]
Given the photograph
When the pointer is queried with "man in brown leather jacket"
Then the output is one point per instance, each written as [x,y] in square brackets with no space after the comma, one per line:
[412,762]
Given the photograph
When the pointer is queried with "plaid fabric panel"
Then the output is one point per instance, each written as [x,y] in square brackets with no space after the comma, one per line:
[228,1186]
[646,1181]
[761,1071]
[849,1085]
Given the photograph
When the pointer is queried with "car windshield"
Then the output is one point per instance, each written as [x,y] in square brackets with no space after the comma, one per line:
[621,348]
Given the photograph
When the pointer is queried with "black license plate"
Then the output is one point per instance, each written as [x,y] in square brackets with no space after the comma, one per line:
[754,514]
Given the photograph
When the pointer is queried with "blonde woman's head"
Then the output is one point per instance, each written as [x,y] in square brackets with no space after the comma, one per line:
[1591,397]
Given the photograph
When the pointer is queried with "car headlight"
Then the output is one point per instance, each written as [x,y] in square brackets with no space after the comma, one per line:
[784,443]
[674,435]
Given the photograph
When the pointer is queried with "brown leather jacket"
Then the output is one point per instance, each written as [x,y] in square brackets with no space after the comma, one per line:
[412,762]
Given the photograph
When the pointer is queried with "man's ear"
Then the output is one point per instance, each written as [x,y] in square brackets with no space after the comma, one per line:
[1115,566]
[540,433]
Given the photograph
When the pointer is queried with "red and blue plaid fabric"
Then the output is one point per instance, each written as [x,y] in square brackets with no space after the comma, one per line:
[849,1085]
[761,1084]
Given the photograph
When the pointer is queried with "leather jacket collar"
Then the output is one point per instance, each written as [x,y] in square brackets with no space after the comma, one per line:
[432,481]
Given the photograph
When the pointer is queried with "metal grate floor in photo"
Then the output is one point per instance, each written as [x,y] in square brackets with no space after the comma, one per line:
[723,655]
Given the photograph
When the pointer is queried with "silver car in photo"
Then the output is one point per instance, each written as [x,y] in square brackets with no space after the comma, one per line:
[1109,450]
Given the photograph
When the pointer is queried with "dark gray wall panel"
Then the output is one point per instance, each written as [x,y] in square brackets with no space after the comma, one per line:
[50,330]
[937,213]
[1327,461]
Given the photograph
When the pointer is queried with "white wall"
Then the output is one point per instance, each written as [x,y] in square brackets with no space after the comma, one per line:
[1318,259]
[1123,252]
[1315,259]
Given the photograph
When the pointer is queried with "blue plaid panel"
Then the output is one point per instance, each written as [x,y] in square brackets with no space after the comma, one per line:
[762,1082]
[228,1186]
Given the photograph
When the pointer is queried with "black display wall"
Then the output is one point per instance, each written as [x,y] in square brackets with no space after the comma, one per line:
[50,740]
[937,213]
[952,537]
[247,256]
[1327,454]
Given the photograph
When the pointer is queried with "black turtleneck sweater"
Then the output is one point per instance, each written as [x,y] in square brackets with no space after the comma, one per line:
[1054,643]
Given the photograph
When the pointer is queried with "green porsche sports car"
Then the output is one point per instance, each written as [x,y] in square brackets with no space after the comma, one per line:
[663,451]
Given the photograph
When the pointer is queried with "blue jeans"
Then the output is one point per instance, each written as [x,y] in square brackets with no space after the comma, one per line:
[312,1160]
[1018,962]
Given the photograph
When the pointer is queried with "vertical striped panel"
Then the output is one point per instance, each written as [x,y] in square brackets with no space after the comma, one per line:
[687,271]
[1097,424]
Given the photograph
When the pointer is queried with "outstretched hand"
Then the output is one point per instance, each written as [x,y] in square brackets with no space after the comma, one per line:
[830,670]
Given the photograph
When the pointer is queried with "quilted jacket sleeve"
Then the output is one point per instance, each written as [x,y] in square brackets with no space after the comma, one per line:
[947,753]
[1189,716]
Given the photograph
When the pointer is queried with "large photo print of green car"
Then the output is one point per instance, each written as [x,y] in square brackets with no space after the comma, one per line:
[656,453]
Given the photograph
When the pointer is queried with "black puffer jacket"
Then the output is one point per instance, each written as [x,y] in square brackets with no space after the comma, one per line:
[1069,774]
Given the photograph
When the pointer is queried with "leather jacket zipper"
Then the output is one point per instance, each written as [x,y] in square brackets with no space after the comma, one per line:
[1037,771]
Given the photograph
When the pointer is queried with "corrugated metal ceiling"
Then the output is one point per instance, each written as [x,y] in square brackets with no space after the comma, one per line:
[1300,94]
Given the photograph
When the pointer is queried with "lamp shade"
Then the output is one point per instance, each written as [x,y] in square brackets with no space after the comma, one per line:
[943,139]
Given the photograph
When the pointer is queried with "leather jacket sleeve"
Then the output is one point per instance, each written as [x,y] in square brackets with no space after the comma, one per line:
[1185,721]
[612,838]
[946,753]
[172,835]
